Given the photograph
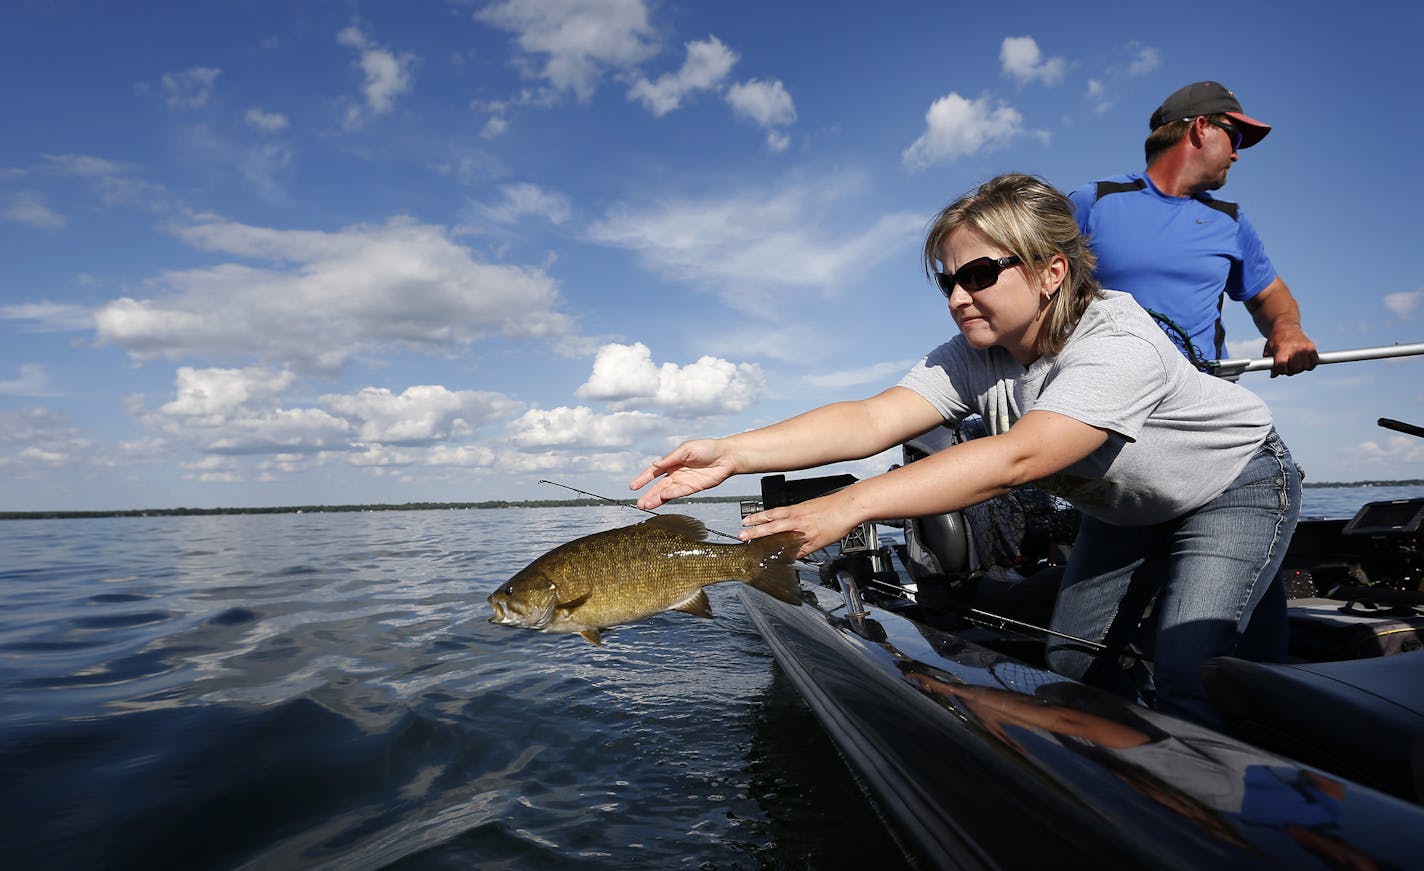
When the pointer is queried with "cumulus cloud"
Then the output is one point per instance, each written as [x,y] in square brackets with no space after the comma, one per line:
[626,377]
[752,248]
[216,393]
[528,200]
[1404,303]
[387,75]
[577,40]
[189,89]
[581,428]
[708,62]
[957,127]
[40,437]
[1396,451]
[419,415]
[32,209]
[767,104]
[268,122]
[1024,62]
[248,411]
[326,297]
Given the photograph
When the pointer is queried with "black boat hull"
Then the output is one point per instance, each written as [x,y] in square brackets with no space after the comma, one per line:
[957,746]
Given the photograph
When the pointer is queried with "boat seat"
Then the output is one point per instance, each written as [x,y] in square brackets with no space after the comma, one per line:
[1362,719]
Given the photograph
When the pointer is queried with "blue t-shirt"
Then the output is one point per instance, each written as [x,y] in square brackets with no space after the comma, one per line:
[1175,255]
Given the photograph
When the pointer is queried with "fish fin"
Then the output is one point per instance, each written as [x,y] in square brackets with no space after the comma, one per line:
[592,635]
[772,571]
[567,608]
[680,525]
[696,605]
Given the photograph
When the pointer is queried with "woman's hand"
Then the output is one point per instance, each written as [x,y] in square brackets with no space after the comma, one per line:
[692,467]
[819,521]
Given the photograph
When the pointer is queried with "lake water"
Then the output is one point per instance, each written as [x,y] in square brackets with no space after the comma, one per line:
[315,690]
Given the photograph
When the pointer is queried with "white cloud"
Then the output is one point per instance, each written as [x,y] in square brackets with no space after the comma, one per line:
[84,165]
[35,436]
[626,377]
[387,74]
[1404,303]
[525,199]
[1144,59]
[189,89]
[880,373]
[581,427]
[268,122]
[1135,60]
[330,296]
[31,208]
[1024,62]
[50,317]
[708,62]
[30,380]
[578,39]
[751,248]
[246,411]
[767,104]
[494,128]
[419,415]
[216,393]
[1396,450]
[956,127]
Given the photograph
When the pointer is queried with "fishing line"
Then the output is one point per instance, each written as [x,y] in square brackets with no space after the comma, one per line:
[626,504]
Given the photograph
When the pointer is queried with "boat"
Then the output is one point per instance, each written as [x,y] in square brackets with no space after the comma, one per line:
[920,648]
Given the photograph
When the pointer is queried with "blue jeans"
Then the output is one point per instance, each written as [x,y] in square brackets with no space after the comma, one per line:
[1208,570]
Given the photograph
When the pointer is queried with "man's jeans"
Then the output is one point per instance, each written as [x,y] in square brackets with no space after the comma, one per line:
[1208,569]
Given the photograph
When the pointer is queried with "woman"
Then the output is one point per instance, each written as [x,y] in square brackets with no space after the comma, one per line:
[1186,491]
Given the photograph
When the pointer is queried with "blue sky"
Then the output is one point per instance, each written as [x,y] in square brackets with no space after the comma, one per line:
[268,253]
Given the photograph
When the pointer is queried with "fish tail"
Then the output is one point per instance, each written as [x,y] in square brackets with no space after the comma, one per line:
[772,572]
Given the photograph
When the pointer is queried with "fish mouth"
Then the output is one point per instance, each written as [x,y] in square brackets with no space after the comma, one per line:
[501,613]
[507,615]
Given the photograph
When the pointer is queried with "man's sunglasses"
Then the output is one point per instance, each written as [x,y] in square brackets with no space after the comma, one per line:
[975,275]
[1230,131]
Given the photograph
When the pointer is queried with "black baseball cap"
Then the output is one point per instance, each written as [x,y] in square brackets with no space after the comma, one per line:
[1209,98]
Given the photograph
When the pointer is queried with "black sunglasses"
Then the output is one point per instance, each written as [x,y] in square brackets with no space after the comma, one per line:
[1230,131]
[975,275]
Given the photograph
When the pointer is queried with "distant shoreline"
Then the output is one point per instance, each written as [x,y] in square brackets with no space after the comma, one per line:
[465,506]
[338,509]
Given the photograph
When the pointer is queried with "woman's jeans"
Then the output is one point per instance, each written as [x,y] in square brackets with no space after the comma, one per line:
[1208,569]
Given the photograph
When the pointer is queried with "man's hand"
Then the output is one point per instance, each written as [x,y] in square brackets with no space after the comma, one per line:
[1277,316]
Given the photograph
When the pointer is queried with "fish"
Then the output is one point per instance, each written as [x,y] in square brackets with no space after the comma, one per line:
[634,572]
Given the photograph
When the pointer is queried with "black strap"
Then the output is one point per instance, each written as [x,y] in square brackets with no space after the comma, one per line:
[1118,187]
[1231,210]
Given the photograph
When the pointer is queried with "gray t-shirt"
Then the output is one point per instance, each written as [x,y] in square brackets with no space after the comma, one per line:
[1177,438]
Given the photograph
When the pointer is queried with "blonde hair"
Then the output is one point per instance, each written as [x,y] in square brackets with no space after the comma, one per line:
[1028,217]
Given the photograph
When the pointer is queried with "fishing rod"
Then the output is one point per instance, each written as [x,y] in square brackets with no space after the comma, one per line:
[626,503]
[1009,624]
[1234,369]
[1401,426]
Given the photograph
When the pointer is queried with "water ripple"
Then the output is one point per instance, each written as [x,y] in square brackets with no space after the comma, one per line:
[326,691]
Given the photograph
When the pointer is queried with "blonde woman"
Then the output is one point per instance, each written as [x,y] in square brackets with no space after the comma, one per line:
[1187,492]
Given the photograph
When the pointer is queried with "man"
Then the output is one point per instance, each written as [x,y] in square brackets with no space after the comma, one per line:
[1161,236]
